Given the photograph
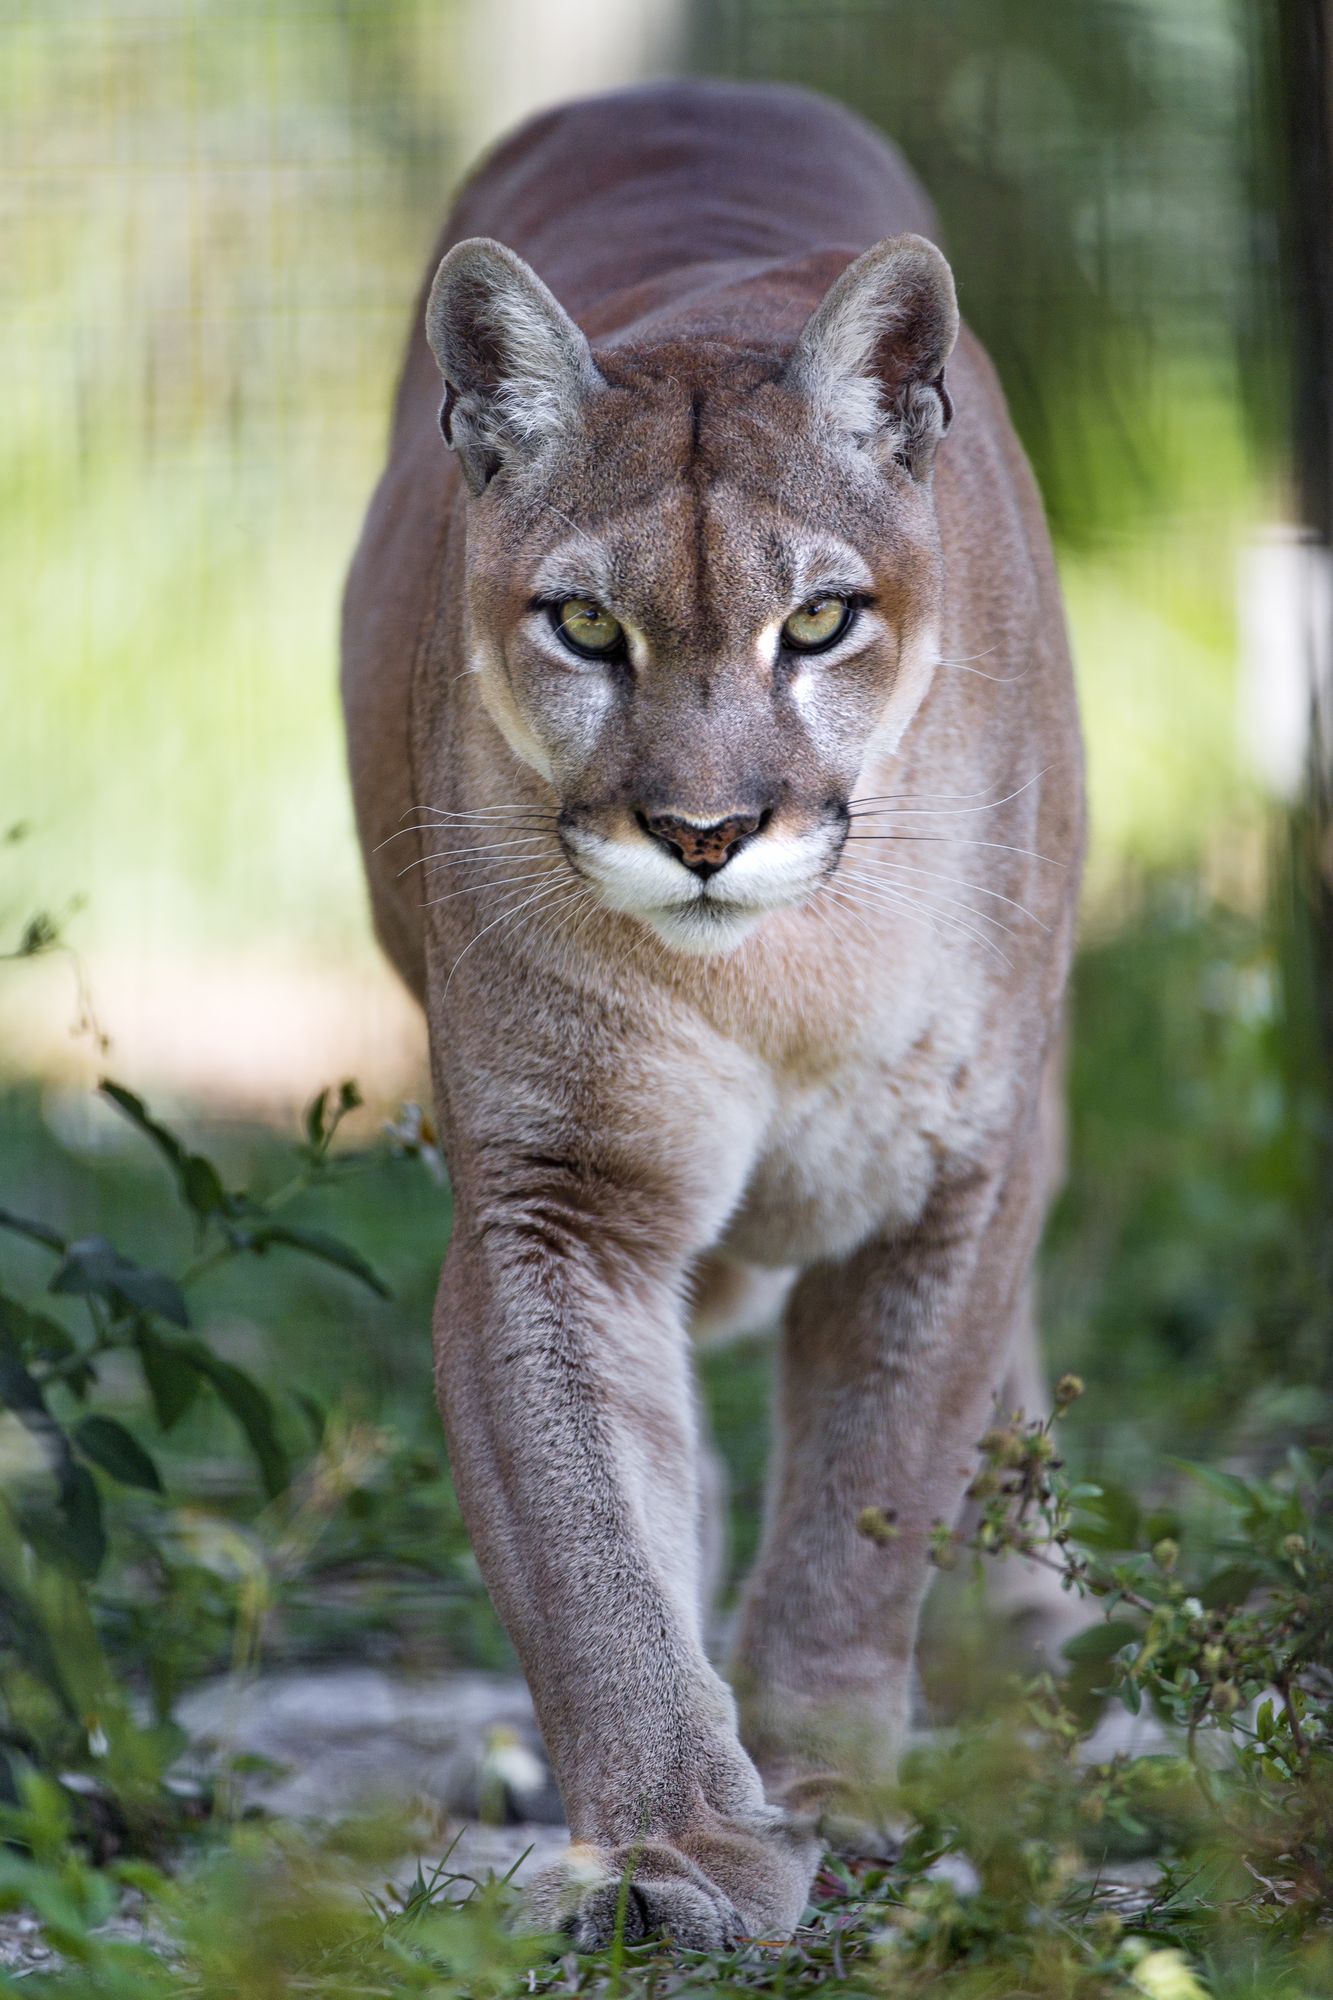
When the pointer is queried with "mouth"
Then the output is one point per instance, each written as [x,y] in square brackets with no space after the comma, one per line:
[699,913]
[704,925]
[710,909]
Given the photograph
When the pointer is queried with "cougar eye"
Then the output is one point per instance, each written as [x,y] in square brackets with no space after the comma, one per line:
[586,628]
[818,624]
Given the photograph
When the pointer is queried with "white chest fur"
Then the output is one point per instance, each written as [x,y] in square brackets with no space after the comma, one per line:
[855,1145]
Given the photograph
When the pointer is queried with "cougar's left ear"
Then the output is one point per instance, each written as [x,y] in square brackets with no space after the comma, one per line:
[516,368]
[871,357]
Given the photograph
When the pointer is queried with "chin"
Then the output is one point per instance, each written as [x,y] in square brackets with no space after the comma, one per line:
[704,928]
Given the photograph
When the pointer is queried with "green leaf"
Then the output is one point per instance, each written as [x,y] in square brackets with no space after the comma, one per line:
[23,1632]
[314,1413]
[37,1232]
[108,1444]
[251,1408]
[92,1265]
[1231,1585]
[1224,1484]
[84,1536]
[200,1185]
[31,1336]
[1111,1521]
[29,1333]
[1099,1642]
[315,1125]
[173,1379]
[315,1243]
[75,1533]
[321,1121]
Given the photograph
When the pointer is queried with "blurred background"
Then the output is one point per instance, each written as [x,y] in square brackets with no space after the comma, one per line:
[214,217]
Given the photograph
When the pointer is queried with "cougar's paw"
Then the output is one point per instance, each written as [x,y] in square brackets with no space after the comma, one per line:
[849,1823]
[665,1894]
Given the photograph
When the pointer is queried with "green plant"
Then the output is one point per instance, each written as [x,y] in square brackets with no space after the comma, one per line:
[67,1464]
[1220,1624]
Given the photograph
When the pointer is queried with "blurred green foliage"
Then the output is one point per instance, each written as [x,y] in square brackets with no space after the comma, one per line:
[1095,171]
[217,219]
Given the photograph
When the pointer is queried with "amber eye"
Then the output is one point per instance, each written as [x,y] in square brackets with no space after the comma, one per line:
[586,628]
[818,624]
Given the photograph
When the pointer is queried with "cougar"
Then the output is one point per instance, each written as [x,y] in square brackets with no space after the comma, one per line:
[724,603]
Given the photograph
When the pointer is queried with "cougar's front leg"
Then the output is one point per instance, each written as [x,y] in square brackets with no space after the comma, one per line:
[564,1380]
[890,1362]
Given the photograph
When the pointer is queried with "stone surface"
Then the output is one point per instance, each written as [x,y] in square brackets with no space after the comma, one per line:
[459,1755]
[339,1740]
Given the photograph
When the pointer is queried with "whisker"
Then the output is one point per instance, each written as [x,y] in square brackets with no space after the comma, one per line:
[581,533]
[563,931]
[848,905]
[484,888]
[595,904]
[962,882]
[966,658]
[903,899]
[880,798]
[534,842]
[854,904]
[478,812]
[435,862]
[960,840]
[504,915]
[464,825]
[549,909]
[953,812]
[953,902]
[640,933]
[1001,680]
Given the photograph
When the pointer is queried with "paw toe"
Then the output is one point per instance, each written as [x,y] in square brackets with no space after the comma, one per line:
[676,1912]
[672,1900]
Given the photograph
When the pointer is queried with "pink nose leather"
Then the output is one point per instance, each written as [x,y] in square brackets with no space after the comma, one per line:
[703,848]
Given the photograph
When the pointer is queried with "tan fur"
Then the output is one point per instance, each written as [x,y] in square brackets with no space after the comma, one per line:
[823,1066]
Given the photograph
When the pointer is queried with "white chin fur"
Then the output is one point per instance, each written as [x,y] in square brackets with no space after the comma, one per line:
[638,879]
[703,929]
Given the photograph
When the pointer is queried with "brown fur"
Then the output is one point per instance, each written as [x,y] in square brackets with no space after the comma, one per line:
[847,1089]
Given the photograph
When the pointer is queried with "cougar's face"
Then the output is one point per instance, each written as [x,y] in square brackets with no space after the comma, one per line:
[700,611]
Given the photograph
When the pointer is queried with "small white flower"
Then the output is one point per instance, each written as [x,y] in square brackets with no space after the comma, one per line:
[413,1133]
[1164,1975]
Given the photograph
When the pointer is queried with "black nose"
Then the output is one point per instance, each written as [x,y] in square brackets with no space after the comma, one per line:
[707,848]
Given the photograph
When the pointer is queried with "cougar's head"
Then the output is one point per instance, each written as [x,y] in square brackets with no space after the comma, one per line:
[702,577]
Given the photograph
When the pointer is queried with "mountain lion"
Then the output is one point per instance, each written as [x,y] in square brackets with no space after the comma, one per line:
[729,605]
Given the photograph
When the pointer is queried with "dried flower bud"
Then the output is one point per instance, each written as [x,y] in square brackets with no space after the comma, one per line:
[876,1526]
[943,1547]
[1068,1390]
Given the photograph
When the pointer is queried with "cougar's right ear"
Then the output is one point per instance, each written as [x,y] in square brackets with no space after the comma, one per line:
[516,368]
